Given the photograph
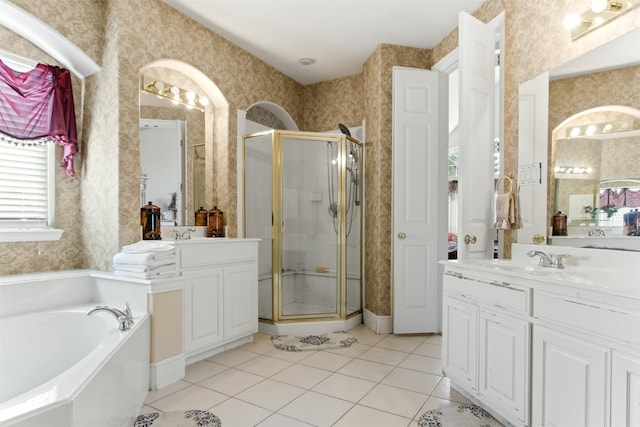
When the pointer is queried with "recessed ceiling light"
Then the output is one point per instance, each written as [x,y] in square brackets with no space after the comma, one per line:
[307,61]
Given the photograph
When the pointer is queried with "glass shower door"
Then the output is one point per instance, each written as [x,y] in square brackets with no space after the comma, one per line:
[309,249]
[258,194]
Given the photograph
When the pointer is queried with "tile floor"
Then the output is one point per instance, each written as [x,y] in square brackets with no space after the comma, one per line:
[385,380]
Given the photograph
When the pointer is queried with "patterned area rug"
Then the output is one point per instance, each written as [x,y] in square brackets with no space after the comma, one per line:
[460,415]
[313,342]
[193,418]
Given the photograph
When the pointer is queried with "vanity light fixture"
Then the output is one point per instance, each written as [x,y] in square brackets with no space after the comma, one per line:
[175,94]
[575,170]
[600,12]
[600,129]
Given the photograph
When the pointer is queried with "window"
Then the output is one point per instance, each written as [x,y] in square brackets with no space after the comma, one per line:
[27,182]
[27,193]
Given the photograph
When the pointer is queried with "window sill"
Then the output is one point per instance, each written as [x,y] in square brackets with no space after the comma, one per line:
[29,234]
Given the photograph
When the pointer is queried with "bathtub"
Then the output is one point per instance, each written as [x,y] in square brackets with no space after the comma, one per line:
[60,367]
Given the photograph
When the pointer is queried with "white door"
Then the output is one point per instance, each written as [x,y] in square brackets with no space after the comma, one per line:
[419,199]
[476,129]
[533,124]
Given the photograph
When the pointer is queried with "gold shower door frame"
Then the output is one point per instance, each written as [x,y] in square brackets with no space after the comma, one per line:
[277,223]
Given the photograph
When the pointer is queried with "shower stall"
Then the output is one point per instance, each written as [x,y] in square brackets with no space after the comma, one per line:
[303,199]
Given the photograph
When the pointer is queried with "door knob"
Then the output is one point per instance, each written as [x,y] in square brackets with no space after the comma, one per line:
[402,236]
[469,239]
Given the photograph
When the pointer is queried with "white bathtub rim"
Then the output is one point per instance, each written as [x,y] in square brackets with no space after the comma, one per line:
[27,404]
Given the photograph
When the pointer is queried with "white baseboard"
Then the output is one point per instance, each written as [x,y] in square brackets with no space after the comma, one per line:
[378,324]
[166,371]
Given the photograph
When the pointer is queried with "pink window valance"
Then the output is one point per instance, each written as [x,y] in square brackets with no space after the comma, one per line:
[36,107]
[620,198]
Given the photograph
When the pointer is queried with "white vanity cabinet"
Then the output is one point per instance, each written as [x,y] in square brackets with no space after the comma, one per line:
[579,344]
[460,341]
[486,341]
[220,300]
[625,390]
[545,347]
[203,310]
[569,387]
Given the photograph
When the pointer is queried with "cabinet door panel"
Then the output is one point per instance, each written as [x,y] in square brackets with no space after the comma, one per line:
[504,362]
[203,310]
[569,384]
[240,300]
[625,391]
[460,349]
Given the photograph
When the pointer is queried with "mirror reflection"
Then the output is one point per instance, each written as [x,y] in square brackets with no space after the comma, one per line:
[596,168]
[172,146]
[594,146]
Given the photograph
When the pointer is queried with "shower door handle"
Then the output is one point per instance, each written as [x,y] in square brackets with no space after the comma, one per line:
[402,236]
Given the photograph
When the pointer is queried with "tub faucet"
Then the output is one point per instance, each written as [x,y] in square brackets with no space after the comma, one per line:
[545,260]
[125,318]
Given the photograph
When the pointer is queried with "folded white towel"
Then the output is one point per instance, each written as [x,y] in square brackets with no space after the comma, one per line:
[148,246]
[159,273]
[141,268]
[152,259]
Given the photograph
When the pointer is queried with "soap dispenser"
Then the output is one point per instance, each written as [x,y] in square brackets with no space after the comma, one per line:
[559,225]
[215,226]
[150,222]
[201,217]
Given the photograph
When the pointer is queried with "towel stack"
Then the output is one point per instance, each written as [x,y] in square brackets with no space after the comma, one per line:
[146,260]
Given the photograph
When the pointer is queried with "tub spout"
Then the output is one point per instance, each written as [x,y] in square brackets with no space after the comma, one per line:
[125,318]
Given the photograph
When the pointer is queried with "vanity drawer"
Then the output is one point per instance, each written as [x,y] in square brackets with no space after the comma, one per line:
[591,316]
[492,293]
[223,252]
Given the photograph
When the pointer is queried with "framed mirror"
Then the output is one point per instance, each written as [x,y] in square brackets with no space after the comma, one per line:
[172,146]
[595,125]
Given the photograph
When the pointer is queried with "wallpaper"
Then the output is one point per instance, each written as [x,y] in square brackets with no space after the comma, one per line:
[123,36]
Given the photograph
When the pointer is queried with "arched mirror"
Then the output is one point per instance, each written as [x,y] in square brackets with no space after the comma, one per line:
[597,173]
[177,108]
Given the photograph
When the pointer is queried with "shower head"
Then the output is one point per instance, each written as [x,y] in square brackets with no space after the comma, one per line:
[344,129]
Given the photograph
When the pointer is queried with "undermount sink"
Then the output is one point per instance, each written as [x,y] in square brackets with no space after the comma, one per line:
[512,266]
[606,278]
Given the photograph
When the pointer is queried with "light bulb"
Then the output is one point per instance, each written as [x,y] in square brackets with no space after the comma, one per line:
[598,6]
[572,21]
[203,101]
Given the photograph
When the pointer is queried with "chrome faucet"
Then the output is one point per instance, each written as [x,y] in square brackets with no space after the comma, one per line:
[545,260]
[125,318]
[549,260]
[557,261]
[183,235]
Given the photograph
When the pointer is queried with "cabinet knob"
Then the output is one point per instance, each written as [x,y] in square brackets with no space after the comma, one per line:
[402,235]
[469,239]
[538,239]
